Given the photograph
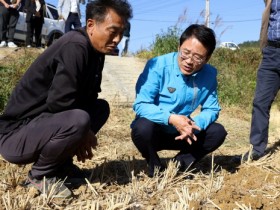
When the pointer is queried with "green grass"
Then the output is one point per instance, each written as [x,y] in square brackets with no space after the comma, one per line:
[11,70]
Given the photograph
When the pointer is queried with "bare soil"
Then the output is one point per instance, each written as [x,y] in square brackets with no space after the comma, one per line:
[118,174]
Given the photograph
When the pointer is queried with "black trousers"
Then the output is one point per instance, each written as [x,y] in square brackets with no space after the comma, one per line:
[8,21]
[268,84]
[34,27]
[50,140]
[72,20]
[149,137]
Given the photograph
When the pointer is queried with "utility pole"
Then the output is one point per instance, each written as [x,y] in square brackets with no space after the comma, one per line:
[207,13]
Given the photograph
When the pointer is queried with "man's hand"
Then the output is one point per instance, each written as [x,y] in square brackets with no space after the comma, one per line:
[185,127]
[6,5]
[85,150]
[37,14]
[60,17]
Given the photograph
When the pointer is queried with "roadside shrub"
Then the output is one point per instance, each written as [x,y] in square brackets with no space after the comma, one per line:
[236,75]
[11,70]
[165,42]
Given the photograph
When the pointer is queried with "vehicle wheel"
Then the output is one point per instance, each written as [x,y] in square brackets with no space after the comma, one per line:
[53,38]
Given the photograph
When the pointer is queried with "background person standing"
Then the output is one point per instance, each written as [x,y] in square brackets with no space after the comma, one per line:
[69,10]
[35,19]
[125,40]
[268,79]
[9,15]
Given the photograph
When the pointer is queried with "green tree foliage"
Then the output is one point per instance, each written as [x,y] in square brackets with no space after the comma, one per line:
[165,42]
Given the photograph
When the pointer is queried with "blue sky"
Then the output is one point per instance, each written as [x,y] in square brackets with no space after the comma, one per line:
[239,20]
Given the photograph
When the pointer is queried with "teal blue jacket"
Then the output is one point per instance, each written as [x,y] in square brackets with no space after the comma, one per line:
[162,90]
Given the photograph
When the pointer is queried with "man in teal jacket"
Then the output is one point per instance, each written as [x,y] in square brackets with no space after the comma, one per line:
[169,90]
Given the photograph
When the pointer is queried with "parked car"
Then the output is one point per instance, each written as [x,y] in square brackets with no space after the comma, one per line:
[229,45]
[53,28]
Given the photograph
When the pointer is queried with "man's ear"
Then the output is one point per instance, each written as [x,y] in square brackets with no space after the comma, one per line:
[90,26]
[90,23]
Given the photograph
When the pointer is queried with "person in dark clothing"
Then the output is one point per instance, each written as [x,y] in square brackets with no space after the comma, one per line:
[54,112]
[125,40]
[9,15]
[35,10]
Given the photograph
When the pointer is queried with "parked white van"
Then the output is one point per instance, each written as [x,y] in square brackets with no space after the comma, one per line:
[229,45]
[53,28]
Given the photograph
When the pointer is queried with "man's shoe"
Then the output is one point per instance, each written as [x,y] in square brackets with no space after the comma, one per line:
[251,156]
[49,186]
[12,45]
[3,44]
[185,161]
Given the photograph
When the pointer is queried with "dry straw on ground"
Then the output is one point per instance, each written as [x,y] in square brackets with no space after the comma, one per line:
[119,180]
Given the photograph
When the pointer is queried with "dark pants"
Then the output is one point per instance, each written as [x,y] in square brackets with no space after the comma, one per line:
[268,83]
[49,140]
[8,22]
[73,19]
[149,137]
[34,27]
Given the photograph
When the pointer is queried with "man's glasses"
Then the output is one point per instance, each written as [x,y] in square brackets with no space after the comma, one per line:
[185,54]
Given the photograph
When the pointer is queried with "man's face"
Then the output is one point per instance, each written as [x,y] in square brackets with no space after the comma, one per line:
[192,56]
[106,35]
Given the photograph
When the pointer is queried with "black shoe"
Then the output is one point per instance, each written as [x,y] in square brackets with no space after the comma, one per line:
[247,157]
[251,156]
[185,161]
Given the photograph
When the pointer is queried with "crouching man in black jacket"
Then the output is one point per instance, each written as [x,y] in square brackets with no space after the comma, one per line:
[54,112]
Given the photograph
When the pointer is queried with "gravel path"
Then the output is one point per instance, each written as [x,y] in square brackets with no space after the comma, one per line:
[119,78]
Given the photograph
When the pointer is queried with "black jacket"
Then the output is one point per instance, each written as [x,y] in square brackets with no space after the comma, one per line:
[65,76]
[30,8]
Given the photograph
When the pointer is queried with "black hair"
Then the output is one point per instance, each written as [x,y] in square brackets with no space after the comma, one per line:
[203,34]
[97,9]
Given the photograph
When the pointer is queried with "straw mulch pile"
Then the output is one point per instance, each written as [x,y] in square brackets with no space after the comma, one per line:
[119,181]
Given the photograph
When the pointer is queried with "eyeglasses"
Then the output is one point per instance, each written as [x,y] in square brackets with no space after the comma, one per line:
[186,54]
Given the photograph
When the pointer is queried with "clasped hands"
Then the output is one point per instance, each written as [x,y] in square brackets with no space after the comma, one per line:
[185,126]
[85,150]
[14,6]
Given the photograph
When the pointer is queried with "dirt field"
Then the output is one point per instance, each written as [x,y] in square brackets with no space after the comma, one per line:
[118,174]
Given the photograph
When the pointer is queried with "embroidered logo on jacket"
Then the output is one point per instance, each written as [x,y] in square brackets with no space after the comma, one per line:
[171,89]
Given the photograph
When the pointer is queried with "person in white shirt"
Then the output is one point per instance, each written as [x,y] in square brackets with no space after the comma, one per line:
[69,10]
